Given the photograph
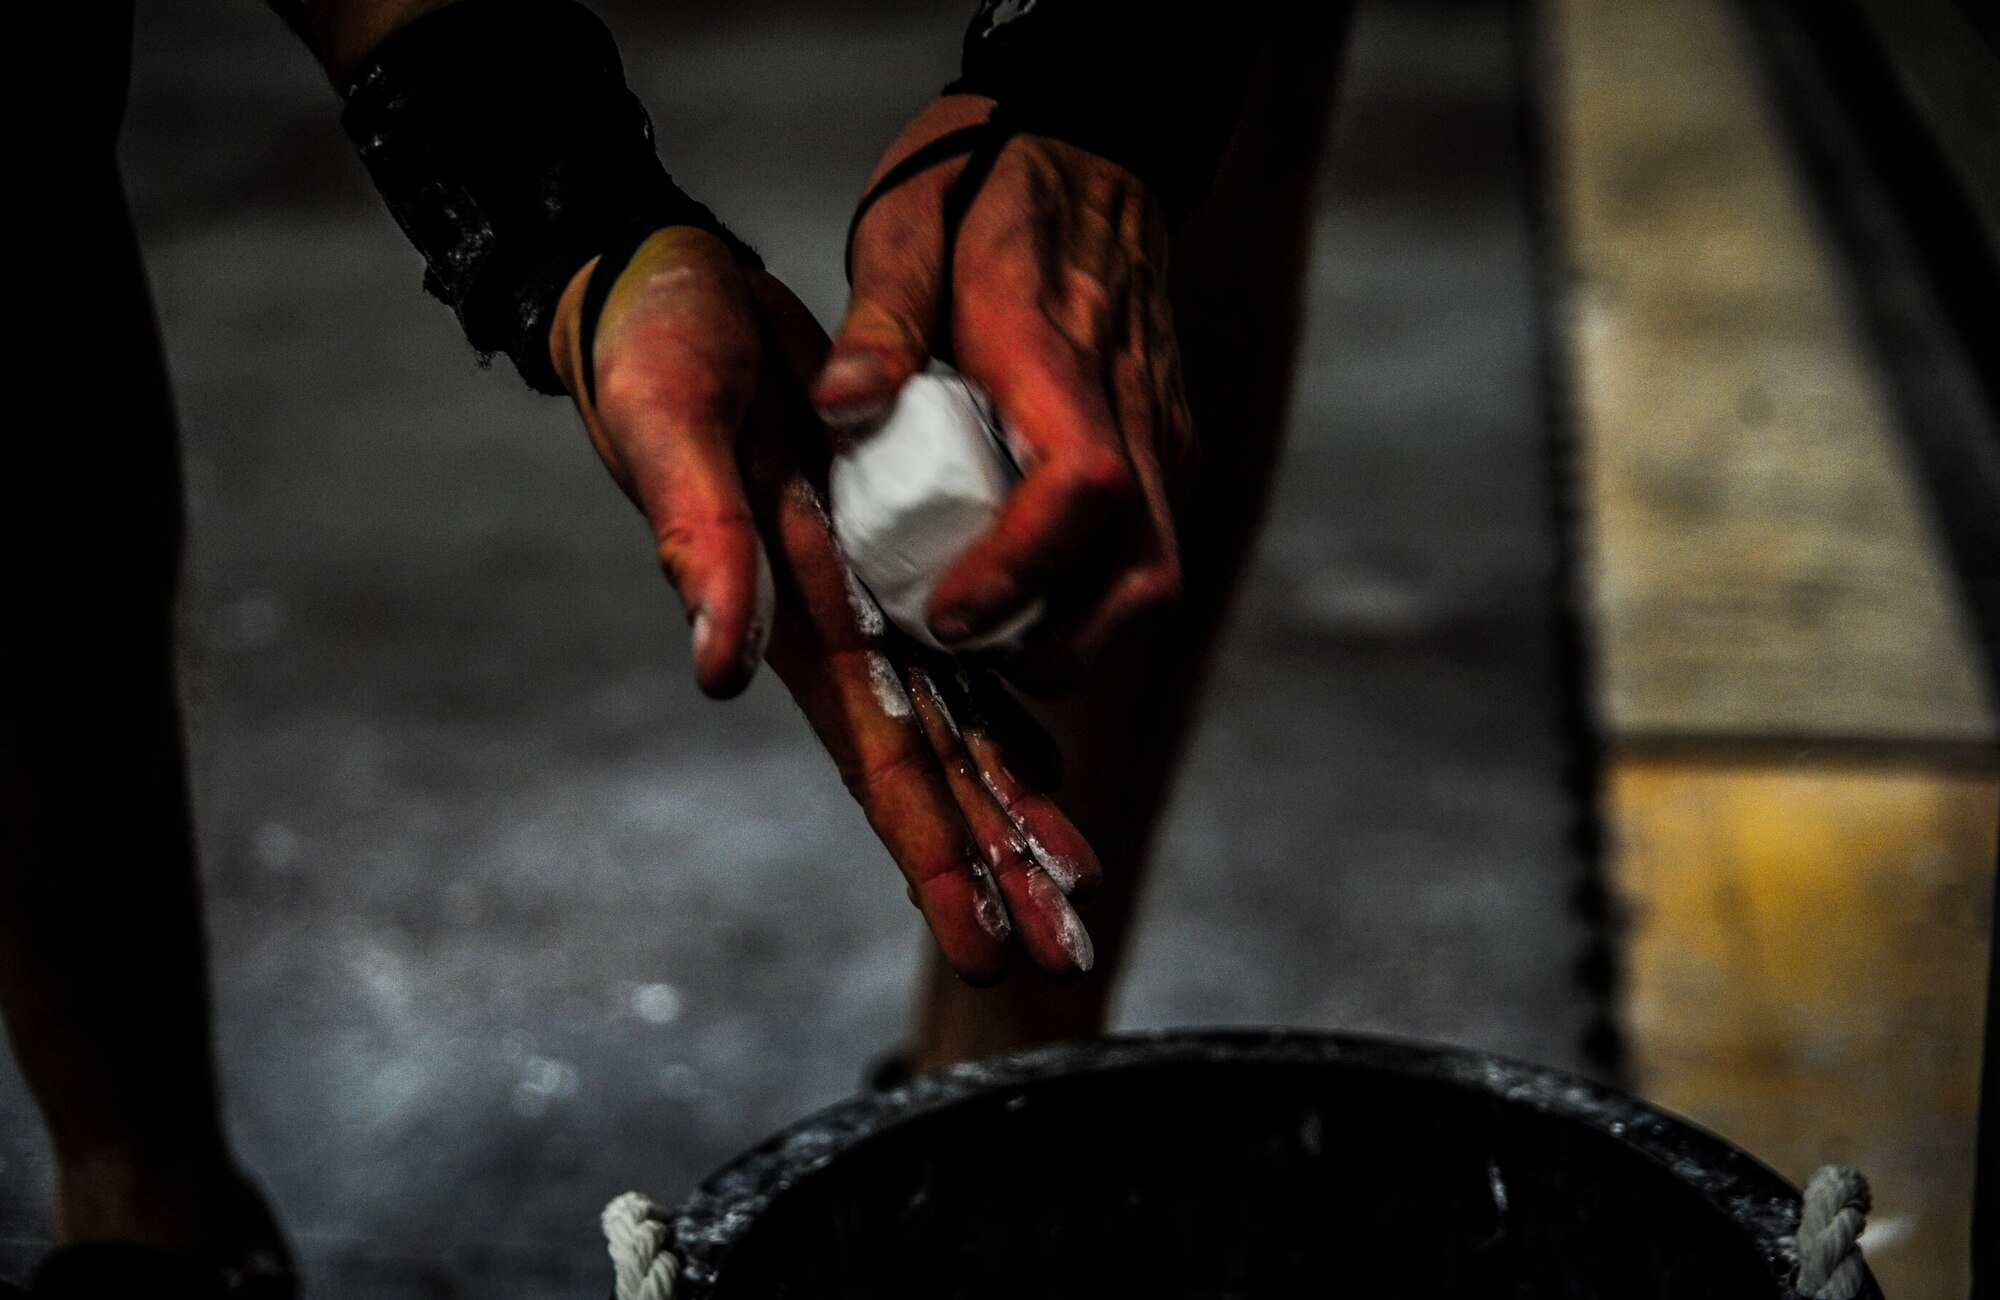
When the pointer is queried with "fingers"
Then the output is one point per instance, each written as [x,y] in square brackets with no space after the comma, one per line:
[677,357]
[855,701]
[828,649]
[858,706]
[1090,524]
[885,337]
[908,799]
[895,264]
[986,856]
[1090,388]
[1142,586]
[1059,311]
[991,726]
[709,550]
[1044,923]
[1151,416]
[1010,736]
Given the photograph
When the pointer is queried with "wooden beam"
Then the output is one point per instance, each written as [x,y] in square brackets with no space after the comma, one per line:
[1801,790]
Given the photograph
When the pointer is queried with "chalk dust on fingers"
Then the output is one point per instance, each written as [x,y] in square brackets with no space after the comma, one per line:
[867,614]
[988,908]
[1070,935]
[888,686]
[1063,870]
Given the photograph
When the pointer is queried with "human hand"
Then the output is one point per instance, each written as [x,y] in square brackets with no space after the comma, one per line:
[677,356]
[700,415]
[1058,308]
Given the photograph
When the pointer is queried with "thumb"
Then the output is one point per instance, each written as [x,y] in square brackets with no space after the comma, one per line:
[710,551]
[886,336]
[677,354]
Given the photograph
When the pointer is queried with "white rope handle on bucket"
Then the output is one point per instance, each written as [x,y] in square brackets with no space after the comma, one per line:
[1830,1223]
[1828,1240]
[635,1232]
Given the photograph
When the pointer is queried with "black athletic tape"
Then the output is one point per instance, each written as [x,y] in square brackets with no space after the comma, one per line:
[505,142]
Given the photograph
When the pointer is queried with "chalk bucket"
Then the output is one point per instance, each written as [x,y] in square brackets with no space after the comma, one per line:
[1205,1166]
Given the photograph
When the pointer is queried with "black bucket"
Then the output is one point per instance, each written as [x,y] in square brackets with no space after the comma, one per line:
[1241,1165]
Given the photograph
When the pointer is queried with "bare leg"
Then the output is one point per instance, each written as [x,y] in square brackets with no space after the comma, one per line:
[1238,283]
[101,951]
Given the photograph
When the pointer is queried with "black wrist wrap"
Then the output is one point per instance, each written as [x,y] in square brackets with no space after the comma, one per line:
[1154,87]
[507,146]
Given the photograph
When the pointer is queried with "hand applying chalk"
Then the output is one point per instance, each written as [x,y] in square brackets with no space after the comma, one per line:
[1051,296]
[703,421]
[907,496]
[910,494]
[951,770]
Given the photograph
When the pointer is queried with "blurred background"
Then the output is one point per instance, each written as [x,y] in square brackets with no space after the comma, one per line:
[1613,686]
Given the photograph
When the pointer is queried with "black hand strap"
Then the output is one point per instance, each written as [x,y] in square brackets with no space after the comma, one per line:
[1154,88]
[952,144]
[611,264]
[980,145]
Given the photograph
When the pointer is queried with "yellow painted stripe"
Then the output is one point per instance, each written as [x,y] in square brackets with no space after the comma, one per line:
[1805,960]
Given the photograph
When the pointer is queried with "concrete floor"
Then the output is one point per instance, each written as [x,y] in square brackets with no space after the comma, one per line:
[491,887]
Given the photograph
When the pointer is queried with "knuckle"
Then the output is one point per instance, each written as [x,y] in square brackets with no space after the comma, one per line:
[1086,295]
[1008,578]
[1080,313]
[887,332]
[672,545]
[1100,475]
[1155,592]
[1016,576]
[679,536]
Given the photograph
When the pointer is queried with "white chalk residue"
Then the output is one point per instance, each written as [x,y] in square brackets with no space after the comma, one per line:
[937,699]
[988,908]
[1075,939]
[1062,870]
[889,691]
[804,494]
[1070,934]
[867,614]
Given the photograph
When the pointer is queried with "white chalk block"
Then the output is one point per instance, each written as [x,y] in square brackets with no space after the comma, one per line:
[912,493]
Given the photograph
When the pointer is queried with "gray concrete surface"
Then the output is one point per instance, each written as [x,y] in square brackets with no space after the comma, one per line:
[507,919]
